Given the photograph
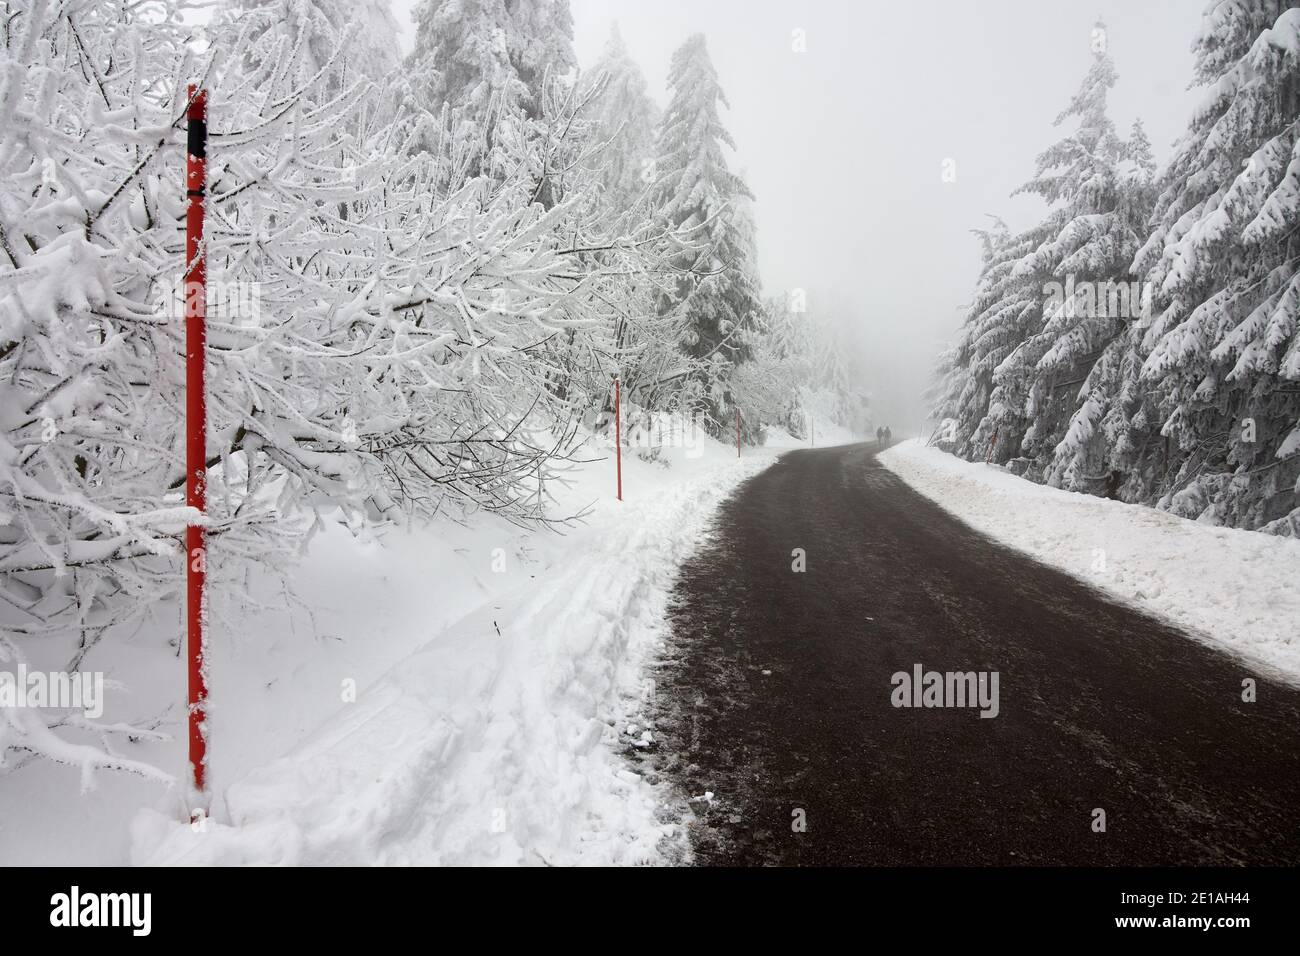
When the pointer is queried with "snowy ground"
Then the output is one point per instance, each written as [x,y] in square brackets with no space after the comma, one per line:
[823,433]
[497,673]
[1237,590]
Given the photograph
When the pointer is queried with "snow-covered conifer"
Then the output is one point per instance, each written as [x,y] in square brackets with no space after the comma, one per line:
[1222,355]
[699,195]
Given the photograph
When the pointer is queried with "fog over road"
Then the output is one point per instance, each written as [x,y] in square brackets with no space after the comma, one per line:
[776,696]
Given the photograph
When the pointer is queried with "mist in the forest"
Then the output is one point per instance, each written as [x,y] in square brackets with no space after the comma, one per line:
[848,113]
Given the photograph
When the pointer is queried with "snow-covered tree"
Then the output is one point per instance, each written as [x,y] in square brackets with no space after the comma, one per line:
[1193,403]
[1220,433]
[91,466]
[699,195]
[1094,452]
[801,367]
[367,29]
[1005,309]
[623,120]
[1033,377]
[382,331]
[489,63]
[1088,240]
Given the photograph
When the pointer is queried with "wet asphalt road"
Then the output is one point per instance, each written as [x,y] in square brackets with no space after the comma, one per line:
[776,696]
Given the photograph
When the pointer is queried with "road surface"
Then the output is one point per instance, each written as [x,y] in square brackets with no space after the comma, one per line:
[776,696]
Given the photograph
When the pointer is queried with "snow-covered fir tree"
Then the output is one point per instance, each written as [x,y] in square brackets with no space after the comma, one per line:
[365,29]
[490,62]
[1029,379]
[976,402]
[699,195]
[1220,430]
[1191,400]
[623,123]
[801,369]
[1093,453]
[1081,267]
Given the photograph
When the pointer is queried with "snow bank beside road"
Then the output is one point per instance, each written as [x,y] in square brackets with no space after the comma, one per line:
[498,742]
[1237,590]
[823,435]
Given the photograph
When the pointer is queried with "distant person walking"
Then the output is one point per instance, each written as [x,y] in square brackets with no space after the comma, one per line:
[889,436]
[880,436]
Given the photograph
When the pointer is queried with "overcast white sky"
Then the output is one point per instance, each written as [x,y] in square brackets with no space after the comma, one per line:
[843,145]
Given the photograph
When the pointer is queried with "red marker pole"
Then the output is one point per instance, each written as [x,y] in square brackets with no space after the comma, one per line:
[196,419]
[737,431]
[618,437]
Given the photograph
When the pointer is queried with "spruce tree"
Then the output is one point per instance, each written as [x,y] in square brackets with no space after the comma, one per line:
[488,62]
[706,202]
[623,123]
[1221,429]
[1088,241]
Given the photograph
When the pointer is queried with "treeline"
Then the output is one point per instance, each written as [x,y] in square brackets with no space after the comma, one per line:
[1141,341]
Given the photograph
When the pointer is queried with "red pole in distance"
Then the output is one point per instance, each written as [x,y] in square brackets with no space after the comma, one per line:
[196,416]
[737,431]
[618,437]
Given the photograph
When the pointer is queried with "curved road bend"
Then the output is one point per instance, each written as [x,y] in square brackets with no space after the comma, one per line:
[776,694]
